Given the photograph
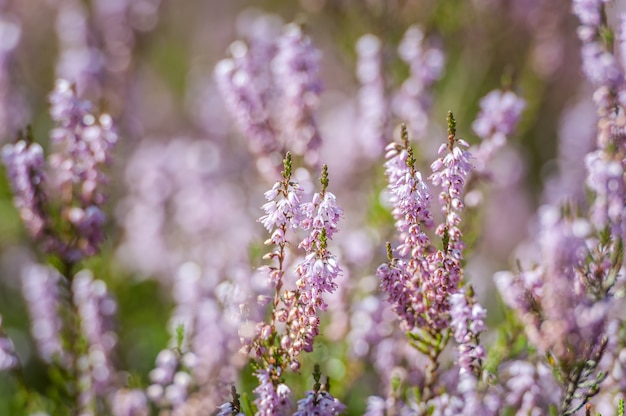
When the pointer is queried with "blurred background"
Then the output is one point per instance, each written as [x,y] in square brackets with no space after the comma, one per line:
[186,190]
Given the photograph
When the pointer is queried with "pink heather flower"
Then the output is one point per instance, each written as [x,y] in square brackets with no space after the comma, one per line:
[426,64]
[227,409]
[8,357]
[410,198]
[420,282]
[283,210]
[171,382]
[84,144]
[244,100]
[600,66]
[127,402]
[589,12]
[376,406]
[96,309]
[467,321]
[621,37]
[450,173]
[12,108]
[552,302]
[373,117]
[40,287]
[605,177]
[271,399]
[530,388]
[295,70]
[322,213]
[498,117]
[319,403]
[25,167]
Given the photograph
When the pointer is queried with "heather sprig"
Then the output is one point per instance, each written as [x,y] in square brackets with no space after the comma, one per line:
[319,400]
[271,88]
[421,281]
[62,211]
[294,321]
[84,142]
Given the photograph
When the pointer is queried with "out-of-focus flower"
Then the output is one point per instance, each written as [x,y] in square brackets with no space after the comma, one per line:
[8,357]
[320,403]
[373,116]
[274,105]
[272,399]
[40,287]
[426,63]
[25,166]
[127,402]
[96,310]
[295,70]
[498,117]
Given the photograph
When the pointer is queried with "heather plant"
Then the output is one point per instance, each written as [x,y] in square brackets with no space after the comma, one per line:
[448,268]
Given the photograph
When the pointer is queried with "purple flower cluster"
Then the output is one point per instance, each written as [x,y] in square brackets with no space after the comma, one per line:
[84,145]
[420,282]
[170,382]
[467,321]
[273,397]
[40,287]
[96,310]
[425,67]
[498,117]
[319,403]
[25,167]
[8,358]
[294,310]
[12,111]
[272,90]
[373,112]
[129,402]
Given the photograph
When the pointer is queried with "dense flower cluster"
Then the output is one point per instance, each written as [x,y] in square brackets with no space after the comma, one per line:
[420,282]
[271,87]
[498,117]
[296,310]
[84,145]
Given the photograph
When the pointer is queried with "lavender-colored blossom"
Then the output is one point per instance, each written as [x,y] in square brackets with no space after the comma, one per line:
[426,64]
[450,172]
[85,143]
[529,388]
[165,391]
[552,301]
[376,406]
[605,177]
[498,117]
[96,309]
[25,167]
[245,102]
[78,60]
[600,66]
[588,11]
[12,111]
[467,321]
[283,209]
[227,409]
[373,117]
[272,399]
[127,402]
[420,282]
[40,287]
[295,69]
[319,403]
[8,358]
